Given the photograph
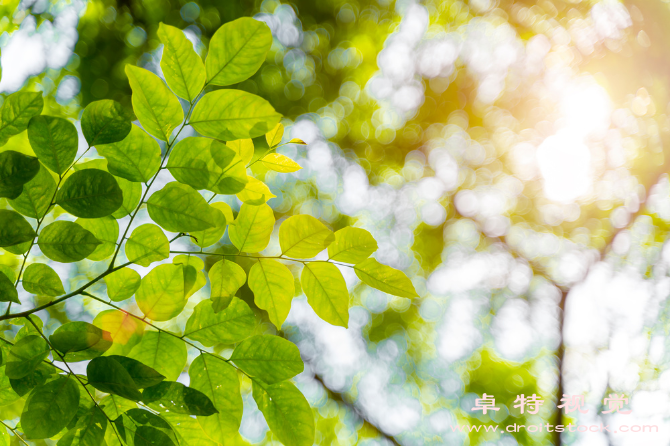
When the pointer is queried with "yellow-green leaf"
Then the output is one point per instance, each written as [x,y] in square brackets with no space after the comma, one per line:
[42,280]
[210,236]
[385,278]
[231,325]
[182,67]
[274,136]
[280,163]
[156,107]
[303,237]
[66,241]
[122,284]
[226,278]
[161,293]
[269,358]
[287,413]
[162,352]
[326,292]
[273,287]
[135,158]
[253,228]
[255,192]
[105,229]
[352,245]
[147,244]
[244,148]
[180,208]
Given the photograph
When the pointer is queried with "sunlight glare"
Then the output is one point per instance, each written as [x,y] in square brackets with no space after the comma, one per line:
[586,108]
[565,164]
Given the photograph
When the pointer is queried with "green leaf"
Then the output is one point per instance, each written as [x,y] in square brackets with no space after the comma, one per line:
[273,286]
[160,296]
[156,107]
[14,229]
[105,122]
[107,375]
[162,352]
[244,148]
[182,67]
[126,331]
[16,169]
[180,208]
[178,398]
[228,326]
[385,278]
[122,284]
[89,430]
[274,136]
[210,236]
[194,278]
[303,237]
[138,427]
[54,141]
[280,163]
[147,244]
[218,380]
[132,193]
[268,358]
[66,242]
[7,394]
[188,429]
[16,112]
[352,245]
[42,280]
[105,229]
[253,228]
[114,406]
[25,356]
[7,291]
[135,158]
[326,292]
[37,377]
[36,197]
[142,374]
[78,335]
[237,50]
[287,413]
[255,192]
[90,193]
[50,407]
[226,278]
[203,163]
[233,114]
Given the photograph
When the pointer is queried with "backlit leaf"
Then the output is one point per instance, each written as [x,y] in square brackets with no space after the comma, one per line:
[16,111]
[326,292]
[54,140]
[36,196]
[7,291]
[218,380]
[132,193]
[147,244]
[255,192]
[180,208]
[161,293]
[125,330]
[244,148]
[135,158]
[188,430]
[226,278]
[138,427]
[105,122]
[210,236]
[385,278]
[231,325]
[273,287]
[253,228]
[274,136]
[142,374]
[50,407]
[16,169]
[90,193]
[107,375]
[352,245]
[14,229]
[162,352]
[178,398]
[182,67]
[303,237]
[114,405]
[156,107]
[25,355]
[66,241]
[105,229]
[37,377]
[42,280]
[233,114]
[237,50]
[79,335]
[287,413]
[280,163]
[269,358]
[122,284]
[89,430]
